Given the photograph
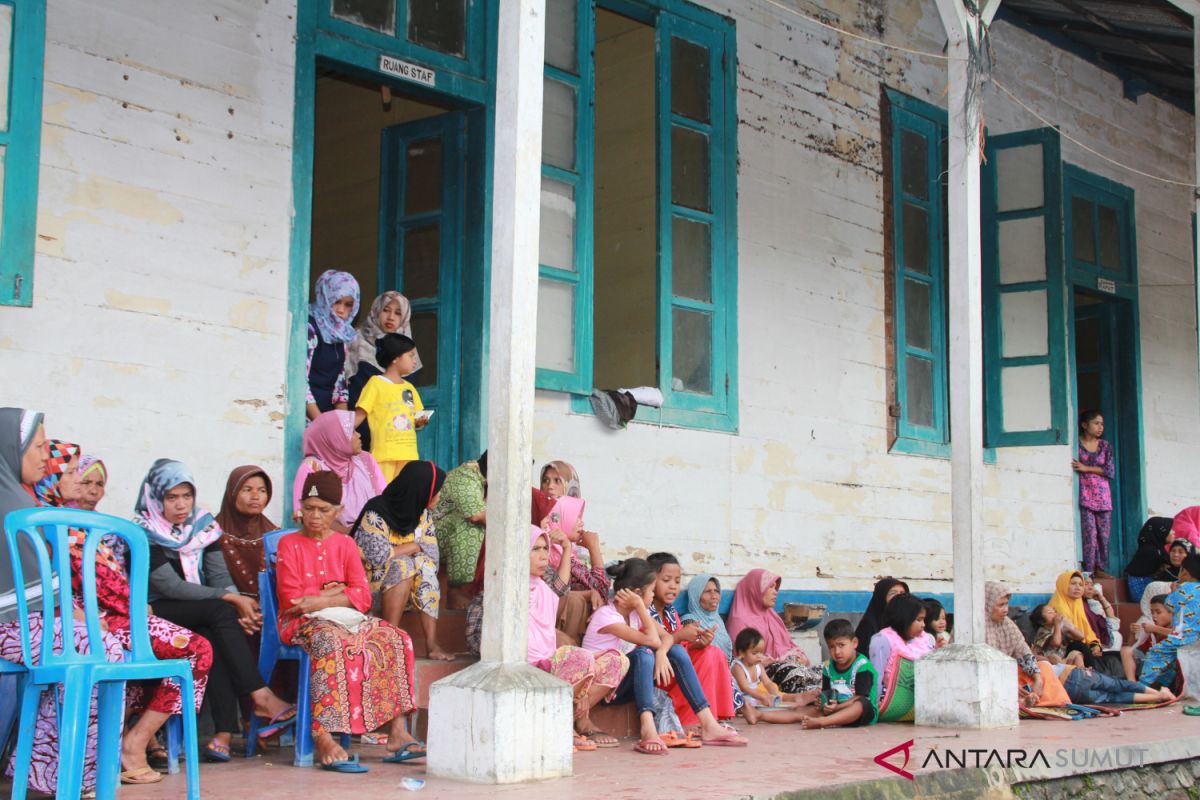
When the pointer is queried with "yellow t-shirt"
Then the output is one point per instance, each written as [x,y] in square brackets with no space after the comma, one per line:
[391,411]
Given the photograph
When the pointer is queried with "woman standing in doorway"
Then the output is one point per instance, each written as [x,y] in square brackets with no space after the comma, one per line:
[330,329]
[1097,469]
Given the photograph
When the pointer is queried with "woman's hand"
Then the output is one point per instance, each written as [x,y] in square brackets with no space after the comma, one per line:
[406,549]
[304,605]
[663,672]
[595,599]
[704,637]
[559,538]
[249,614]
[688,632]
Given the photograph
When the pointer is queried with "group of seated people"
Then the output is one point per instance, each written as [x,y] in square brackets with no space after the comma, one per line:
[365,551]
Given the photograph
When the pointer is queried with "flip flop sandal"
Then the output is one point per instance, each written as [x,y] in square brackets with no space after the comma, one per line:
[216,753]
[349,765]
[1192,711]
[139,776]
[583,744]
[679,739]
[406,753]
[608,741]
[650,747]
[278,723]
[726,741]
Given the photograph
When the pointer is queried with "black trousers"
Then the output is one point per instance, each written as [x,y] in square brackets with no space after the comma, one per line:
[234,668]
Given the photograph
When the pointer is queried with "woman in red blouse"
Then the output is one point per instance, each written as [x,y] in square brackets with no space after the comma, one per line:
[362,667]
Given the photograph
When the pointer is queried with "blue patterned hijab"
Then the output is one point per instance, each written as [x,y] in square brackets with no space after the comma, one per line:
[190,537]
[707,619]
[332,286]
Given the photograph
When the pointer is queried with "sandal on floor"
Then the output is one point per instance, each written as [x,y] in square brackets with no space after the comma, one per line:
[1192,711]
[349,765]
[680,739]
[582,744]
[406,753]
[157,756]
[600,738]
[139,776]
[215,753]
[650,747]
[278,723]
[728,740]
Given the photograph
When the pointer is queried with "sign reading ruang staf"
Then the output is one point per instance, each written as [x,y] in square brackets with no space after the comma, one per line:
[407,70]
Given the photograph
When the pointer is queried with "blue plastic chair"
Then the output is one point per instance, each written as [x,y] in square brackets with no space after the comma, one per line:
[271,651]
[81,673]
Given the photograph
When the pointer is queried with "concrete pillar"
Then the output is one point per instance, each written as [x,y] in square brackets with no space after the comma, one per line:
[966,684]
[1189,665]
[501,720]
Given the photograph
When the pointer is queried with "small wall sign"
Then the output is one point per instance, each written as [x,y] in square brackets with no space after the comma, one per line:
[1105,285]
[407,70]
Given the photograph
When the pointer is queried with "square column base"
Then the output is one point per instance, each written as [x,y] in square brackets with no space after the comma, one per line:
[966,686]
[1189,665]
[500,723]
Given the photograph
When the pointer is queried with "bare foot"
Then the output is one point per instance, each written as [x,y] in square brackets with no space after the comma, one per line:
[1166,694]
[813,722]
[750,713]
[328,750]
[438,654]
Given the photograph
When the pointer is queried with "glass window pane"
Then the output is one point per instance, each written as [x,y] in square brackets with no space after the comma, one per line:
[1023,324]
[689,80]
[423,177]
[558,125]
[1110,238]
[689,168]
[560,34]
[691,351]
[422,248]
[438,24]
[557,244]
[918,323]
[691,259]
[914,164]
[1083,232]
[556,325]
[378,15]
[1025,393]
[425,334]
[918,384]
[1022,250]
[1019,175]
[6,19]
[916,239]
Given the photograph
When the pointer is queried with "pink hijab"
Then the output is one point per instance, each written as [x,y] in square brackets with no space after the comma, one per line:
[569,510]
[1186,525]
[328,440]
[748,611]
[543,610]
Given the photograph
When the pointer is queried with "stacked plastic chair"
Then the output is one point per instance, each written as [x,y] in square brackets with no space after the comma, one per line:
[79,674]
[271,651]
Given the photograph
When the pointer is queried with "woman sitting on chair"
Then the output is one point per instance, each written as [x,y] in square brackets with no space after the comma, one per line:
[362,667]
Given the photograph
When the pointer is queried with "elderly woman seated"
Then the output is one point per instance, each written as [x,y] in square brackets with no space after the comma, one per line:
[362,667]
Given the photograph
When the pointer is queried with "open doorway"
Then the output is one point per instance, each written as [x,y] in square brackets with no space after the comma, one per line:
[388,207]
[1106,379]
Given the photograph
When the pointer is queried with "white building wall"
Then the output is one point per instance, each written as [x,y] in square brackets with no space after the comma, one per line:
[159,318]
[807,486]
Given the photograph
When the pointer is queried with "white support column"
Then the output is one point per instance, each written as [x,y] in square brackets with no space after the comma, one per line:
[967,684]
[501,720]
[1196,192]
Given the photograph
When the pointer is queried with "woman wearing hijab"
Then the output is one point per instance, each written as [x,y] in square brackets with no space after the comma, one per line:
[191,586]
[400,549]
[330,329]
[461,517]
[332,444]
[243,525]
[153,703]
[362,667]
[754,607]
[23,457]
[1003,634]
[703,608]
[873,620]
[390,313]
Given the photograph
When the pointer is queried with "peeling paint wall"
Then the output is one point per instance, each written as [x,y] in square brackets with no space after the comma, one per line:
[807,485]
[158,326]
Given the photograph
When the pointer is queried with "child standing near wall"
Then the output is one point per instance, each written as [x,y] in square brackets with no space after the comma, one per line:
[391,406]
[1097,469]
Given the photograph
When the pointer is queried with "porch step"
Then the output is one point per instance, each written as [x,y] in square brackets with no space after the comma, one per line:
[426,672]
[1115,589]
[1129,614]
[451,631]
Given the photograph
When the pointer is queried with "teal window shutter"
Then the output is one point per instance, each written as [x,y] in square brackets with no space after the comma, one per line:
[1024,311]
[918,224]
[22,44]
[564,336]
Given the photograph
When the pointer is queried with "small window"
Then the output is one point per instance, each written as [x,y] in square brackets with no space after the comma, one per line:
[22,41]
[1099,220]
[917,288]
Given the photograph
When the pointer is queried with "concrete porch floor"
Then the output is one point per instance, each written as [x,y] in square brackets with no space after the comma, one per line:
[781,760]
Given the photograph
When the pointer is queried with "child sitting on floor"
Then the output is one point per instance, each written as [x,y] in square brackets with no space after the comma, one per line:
[1149,630]
[763,700]
[848,682]
[936,622]
[1048,640]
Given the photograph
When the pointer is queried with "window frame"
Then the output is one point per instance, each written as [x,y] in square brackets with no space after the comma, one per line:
[719,411]
[908,113]
[22,140]
[1098,190]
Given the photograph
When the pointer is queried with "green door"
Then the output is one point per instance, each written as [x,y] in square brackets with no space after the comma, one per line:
[421,202]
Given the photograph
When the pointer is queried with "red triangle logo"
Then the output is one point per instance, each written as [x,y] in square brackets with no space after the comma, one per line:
[900,770]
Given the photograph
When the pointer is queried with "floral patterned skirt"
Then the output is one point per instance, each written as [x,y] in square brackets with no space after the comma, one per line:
[359,681]
[584,669]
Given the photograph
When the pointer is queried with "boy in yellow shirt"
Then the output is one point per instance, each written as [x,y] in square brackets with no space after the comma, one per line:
[391,405]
